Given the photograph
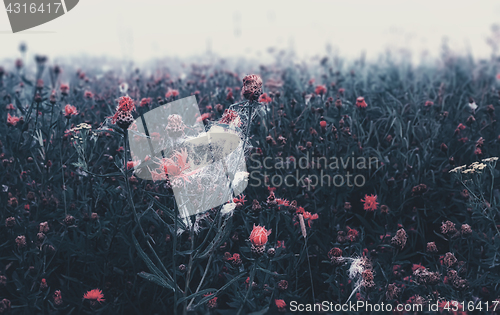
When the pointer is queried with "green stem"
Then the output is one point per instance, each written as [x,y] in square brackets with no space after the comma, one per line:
[250,282]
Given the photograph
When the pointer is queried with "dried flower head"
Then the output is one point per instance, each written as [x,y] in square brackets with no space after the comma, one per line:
[358,266]
[44,227]
[69,220]
[431,247]
[335,256]
[283,285]
[448,227]
[175,126]
[4,306]
[449,259]
[384,209]
[367,279]
[58,298]
[21,241]
[424,276]
[466,229]
[10,222]
[392,291]
[252,87]
[400,238]
[419,190]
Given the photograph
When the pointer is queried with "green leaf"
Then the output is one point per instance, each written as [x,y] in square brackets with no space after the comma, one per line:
[159,275]
[155,279]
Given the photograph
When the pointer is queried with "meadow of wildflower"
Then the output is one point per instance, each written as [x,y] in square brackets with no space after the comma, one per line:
[83,233]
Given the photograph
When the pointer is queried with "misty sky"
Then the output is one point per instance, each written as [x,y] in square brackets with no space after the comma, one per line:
[141,30]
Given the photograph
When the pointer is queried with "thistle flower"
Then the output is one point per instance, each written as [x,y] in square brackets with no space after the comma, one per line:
[231,117]
[12,120]
[265,99]
[259,235]
[352,234]
[145,102]
[360,102]
[94,296]
[258,238]
[88,95]
[123,115]
[70,110]
[125,104]
[370,202]
[281,305]
[320,90]
[171,93]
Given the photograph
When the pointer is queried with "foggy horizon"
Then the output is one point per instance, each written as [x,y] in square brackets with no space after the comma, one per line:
[130,31]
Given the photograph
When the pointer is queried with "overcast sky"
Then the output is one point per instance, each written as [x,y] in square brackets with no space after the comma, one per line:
[145,29]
